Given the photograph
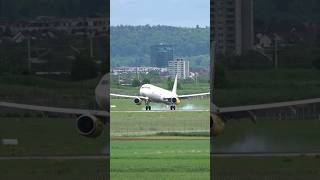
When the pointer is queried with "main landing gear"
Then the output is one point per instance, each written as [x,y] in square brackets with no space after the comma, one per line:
[172,107]
[148,107]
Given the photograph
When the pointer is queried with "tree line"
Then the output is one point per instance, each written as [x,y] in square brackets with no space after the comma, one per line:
[130,45]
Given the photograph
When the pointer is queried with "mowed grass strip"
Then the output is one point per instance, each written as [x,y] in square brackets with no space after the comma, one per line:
[132,124]
[160,159]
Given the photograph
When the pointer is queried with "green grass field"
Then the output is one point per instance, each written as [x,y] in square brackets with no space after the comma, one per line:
[53,136]
[37,90]
[269,135]
[295,168]
[147,145]
[262,86]
[50,137]
[53,169]
[186,104]
[133,124]
[160,159]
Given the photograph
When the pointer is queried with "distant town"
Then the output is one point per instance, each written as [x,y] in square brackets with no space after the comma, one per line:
[164,64]
[49,27]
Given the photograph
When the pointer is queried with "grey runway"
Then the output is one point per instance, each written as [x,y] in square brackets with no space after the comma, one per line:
[2,158]
[160,111]
[274,154]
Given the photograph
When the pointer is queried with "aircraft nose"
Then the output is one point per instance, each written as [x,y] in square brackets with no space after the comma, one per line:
[141,92]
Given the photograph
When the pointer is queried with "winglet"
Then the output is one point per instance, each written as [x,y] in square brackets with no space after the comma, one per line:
[174,88]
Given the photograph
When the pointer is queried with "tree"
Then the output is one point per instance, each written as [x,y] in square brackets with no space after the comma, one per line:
[170,83]
[145,81]
[248,60]
[135,82]
[83,68]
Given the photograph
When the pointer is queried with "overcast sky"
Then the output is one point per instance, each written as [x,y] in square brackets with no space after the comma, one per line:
[183,13]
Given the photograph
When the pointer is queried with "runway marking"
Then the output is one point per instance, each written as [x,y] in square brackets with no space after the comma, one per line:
[53,157]
[160,111]
[275,154]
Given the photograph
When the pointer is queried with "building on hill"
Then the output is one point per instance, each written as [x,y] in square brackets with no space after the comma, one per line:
[233,26]
[145,70]
[75,26]
[179,67]
[161,54]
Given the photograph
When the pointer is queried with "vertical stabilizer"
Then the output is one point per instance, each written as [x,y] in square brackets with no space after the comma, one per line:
[174,88]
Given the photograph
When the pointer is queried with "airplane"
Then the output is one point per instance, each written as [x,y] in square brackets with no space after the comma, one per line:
[89,123]
[150,93]
[220,115]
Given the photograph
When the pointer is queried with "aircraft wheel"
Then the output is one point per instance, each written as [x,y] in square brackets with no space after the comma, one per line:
[149,108]
[174,108]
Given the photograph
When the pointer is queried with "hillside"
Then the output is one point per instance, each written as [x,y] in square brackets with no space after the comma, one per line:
[130,45]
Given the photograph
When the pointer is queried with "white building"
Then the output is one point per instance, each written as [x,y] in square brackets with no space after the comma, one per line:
[179,67]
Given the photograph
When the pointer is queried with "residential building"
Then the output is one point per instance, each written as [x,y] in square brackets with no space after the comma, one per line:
[232,23]
[179,67]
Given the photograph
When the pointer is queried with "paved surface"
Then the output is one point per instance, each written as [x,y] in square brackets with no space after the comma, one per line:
[160,111]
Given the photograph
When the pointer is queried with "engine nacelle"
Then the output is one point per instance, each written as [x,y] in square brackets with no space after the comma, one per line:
[175,100]
[90,126]
[216,125]
[137,101]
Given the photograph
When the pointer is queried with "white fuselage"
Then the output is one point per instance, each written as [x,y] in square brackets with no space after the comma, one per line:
[156,94]
[101,93]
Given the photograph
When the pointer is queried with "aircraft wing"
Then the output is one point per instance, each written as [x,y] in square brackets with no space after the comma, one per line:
[54,109]
[128,96]
[192,95]
[252,111]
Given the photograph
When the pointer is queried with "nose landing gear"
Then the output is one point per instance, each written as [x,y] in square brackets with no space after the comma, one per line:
[173,106]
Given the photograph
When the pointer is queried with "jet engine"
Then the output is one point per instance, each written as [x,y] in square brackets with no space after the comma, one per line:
[175,100]
[137,101]
[90,126]
[216,125]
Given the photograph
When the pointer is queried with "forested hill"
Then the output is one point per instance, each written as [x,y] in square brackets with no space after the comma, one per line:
[19,9]
[135,41]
